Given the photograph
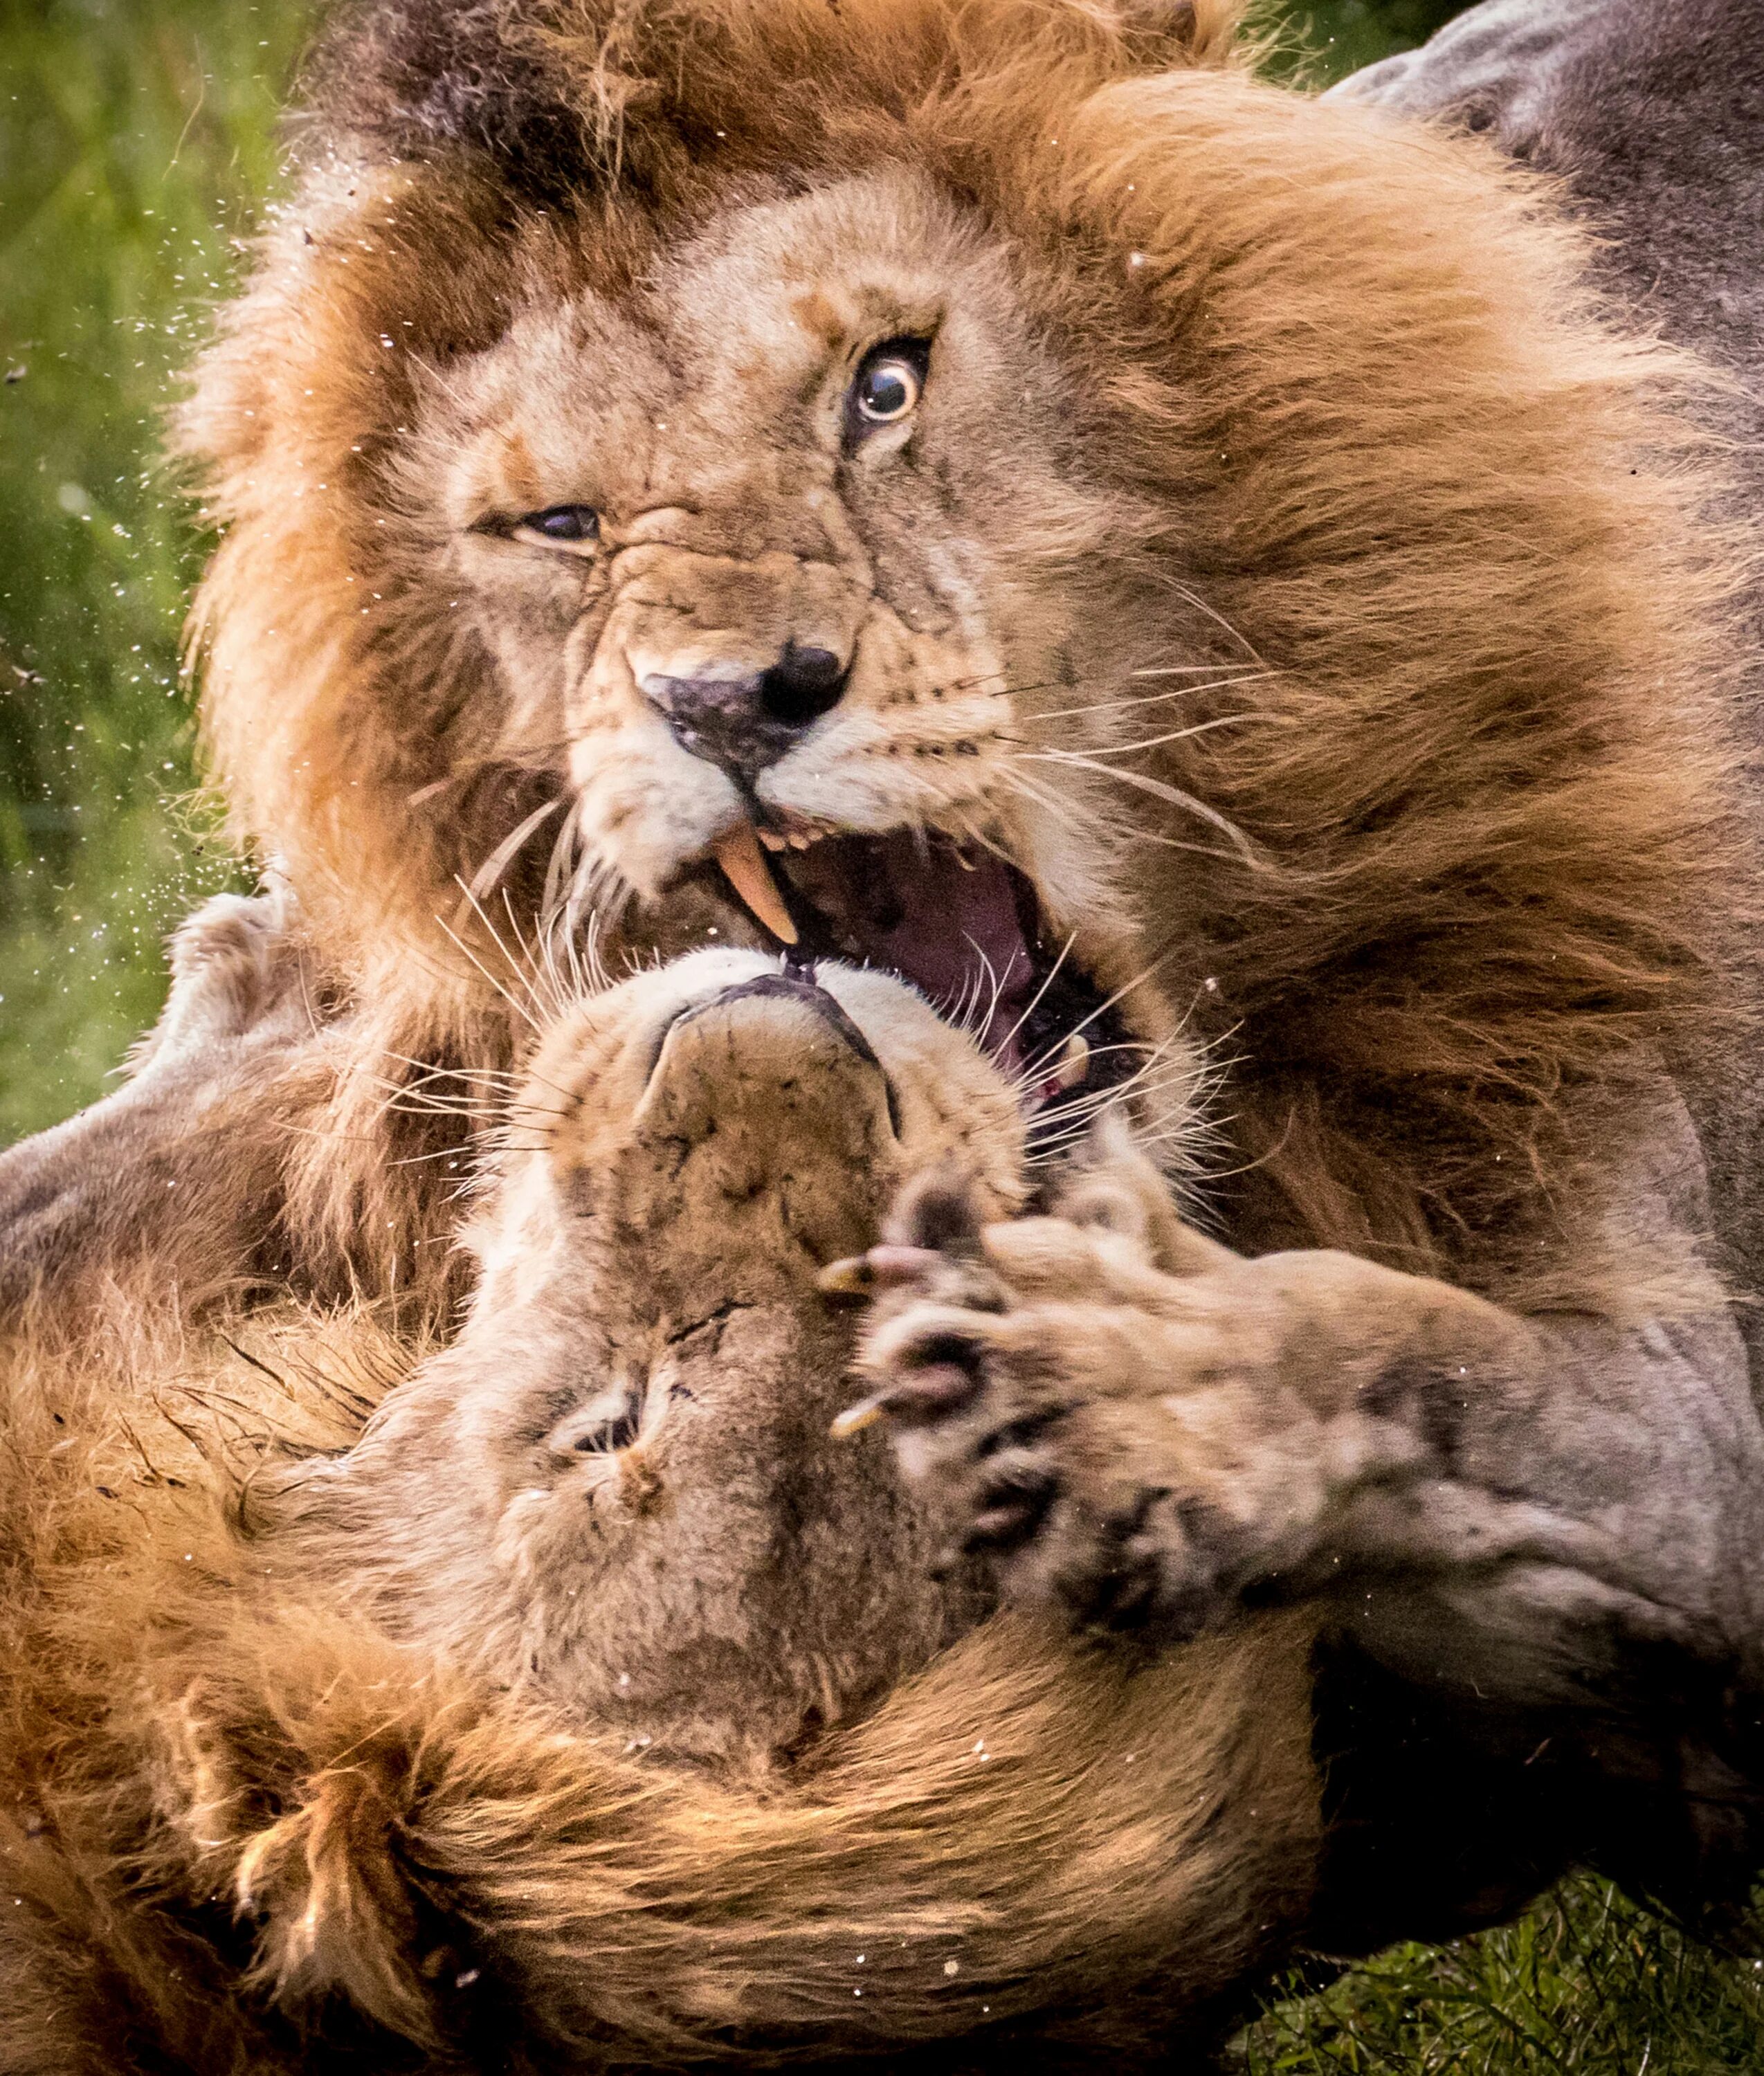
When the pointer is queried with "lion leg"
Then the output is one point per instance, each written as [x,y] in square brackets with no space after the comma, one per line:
[1542,1519]
[259,1143]
[1144,1448]
[174,1176]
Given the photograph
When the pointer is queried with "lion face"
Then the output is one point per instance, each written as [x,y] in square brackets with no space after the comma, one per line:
[619,1488]
[780,554]
[994,492]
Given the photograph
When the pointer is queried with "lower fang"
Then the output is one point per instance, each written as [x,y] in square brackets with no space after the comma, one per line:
[1074,1065]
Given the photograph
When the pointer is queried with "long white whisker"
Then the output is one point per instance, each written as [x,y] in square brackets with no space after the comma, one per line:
[519,1008]
[1216,617]
[487,875]
[1034,1000]
[1173,794]
[1050,804]
[1182,669]
[1180,734]
[1243,677]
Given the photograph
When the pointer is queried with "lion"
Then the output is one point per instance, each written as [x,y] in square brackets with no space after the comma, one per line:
[570,1696]
[993,492]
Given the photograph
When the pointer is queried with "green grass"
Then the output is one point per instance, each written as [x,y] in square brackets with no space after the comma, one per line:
[1585,1985]
[135,139]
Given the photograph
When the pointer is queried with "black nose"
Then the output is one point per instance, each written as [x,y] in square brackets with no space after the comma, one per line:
[744,724]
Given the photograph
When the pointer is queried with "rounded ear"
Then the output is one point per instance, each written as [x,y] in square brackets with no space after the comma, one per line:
[337,1914]
[1202,32]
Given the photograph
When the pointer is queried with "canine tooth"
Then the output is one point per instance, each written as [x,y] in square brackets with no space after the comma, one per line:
[855,1418]
[744,866]
[1074,1063]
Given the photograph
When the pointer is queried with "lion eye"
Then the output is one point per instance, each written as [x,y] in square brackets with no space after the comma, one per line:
[560,526]
[888,386]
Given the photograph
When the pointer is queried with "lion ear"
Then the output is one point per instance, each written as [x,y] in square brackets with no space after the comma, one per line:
[336,1913]
[1198,32]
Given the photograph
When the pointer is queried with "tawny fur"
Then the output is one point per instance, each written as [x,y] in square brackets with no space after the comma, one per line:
[281,1789]
[1323,418]
[1478,759]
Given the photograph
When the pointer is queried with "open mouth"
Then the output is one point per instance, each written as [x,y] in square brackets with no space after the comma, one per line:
[958,923]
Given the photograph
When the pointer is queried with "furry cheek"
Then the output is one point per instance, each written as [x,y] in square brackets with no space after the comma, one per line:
[644,807]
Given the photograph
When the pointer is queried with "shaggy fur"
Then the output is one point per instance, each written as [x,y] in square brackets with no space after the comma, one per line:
[1293,577]
[1568,87]
[460,1747]
[1482,857]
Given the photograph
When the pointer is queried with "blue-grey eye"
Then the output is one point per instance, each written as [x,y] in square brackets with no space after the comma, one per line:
[560,526]
[889,385]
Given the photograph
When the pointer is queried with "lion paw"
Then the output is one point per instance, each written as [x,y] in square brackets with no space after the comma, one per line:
[1138,1447]
[236,972]
[1046,1483]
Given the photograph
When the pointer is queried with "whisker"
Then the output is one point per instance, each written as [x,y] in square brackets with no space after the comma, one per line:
[487,875]
[1178,669]
[1120,994]
[1200,850]
[1173,794]
[1216,617]
[519,1008]
[1034,1000]
[1051,803]
[1181,734]
[1243,676]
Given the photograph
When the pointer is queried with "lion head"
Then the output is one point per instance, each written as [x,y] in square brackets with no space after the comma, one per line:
[617,1490]
[440,1736]
[991,490]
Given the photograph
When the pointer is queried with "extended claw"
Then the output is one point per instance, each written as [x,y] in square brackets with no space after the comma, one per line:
[884,1268]
[929,1393]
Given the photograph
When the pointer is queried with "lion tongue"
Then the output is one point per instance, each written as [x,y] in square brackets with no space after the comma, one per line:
[744,866]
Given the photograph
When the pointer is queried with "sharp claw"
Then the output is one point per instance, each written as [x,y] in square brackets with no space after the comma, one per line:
[939,1387]
[849,1278]
[884,1268]
[856,1419]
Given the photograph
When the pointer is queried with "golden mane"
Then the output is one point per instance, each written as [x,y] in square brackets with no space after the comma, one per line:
[1370,437]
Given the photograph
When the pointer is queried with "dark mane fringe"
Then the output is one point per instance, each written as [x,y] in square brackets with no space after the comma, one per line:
[560,96]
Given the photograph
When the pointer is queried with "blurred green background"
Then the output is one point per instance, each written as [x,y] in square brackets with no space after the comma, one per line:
[137,138]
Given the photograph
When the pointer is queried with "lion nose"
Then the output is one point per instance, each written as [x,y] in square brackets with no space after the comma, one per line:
[744,724]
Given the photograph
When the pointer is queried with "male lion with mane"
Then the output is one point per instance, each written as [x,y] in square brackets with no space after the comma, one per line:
[1039,603]
[593,1706]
